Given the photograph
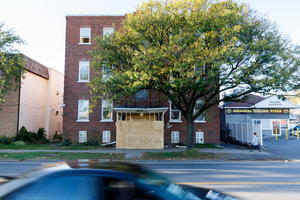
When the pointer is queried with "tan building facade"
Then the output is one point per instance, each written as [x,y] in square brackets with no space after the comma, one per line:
[36,104]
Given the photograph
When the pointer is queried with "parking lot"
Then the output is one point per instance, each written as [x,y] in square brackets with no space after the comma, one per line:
[284,148]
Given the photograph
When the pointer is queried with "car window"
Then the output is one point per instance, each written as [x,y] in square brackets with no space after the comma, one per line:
[59,188]
[116,189]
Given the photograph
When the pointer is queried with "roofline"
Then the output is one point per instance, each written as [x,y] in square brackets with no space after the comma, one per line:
[82,15]
[143,110]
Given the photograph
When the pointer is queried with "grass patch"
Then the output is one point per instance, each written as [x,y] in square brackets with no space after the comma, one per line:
[189,154]
[206,145]
[47,147]
[60,155]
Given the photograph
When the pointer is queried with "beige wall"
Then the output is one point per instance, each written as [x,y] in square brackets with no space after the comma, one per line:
[9,114]
[54,118]
[33,102]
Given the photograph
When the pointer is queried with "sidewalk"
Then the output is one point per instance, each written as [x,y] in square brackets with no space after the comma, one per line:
[228,152]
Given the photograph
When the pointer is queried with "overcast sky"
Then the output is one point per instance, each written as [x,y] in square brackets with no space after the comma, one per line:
[42,24]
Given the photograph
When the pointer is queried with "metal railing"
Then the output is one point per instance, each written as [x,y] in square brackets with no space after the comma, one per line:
[244,132]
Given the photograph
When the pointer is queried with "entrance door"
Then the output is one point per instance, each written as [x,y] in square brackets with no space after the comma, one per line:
[276,127]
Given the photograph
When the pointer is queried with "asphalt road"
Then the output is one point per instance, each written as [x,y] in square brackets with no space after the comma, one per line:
[245,180]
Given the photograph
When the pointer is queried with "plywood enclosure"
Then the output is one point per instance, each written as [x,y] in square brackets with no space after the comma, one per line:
[140,131]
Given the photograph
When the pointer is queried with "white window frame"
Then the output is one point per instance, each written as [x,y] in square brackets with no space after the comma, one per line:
[197,120]
[81,65]
[175,137]
[102,110]
[82,136]
[81,36]
[199,135]
[80,112]
[105,76]
[107,31]
[106,136]
[174,120]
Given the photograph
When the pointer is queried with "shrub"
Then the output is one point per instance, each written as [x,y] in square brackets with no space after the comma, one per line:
[57,136]
[94,143]
[41,133]
[31,137]
[6,140]
[67,142]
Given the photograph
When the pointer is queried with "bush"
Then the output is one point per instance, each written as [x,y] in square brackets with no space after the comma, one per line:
[67,142]
[31,137]
[6,140]
[41,133]
[94,143]
[57,136]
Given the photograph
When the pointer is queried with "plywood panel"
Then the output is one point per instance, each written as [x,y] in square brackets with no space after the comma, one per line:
[140,134]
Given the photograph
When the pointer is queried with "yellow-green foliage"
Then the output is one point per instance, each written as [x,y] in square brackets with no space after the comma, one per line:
[160,45]
[12,65]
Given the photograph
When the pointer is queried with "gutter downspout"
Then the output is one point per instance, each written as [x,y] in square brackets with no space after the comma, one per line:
[18,120]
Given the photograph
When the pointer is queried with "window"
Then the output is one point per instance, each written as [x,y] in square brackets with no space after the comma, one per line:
[65,187]
[82,136]
[284,124]
[198,105]
[199,137]
[85,35]
[107,31]
[175,137]
[141,95]
[83,110]
[106,136]
[106,72]
[106,111]
[175,114]
[199,73]
[84,71]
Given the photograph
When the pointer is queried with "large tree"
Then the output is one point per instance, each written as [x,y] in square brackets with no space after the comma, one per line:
[194,49]
[12,65]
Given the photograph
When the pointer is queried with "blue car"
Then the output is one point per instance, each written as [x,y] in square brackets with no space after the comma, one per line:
[95,180]
[293,131]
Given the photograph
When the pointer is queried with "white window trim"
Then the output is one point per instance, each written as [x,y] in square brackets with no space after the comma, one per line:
[199,121]
[106,120]
[80,43]
[174,137]
[82,120]
[84,43]
[174,120]
[84,138]
[84,81]
[198,133]
[106,138]
[108,28]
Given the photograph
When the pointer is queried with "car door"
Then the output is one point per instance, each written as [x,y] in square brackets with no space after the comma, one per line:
[75,187]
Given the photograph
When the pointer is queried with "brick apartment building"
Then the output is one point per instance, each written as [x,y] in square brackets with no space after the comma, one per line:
[145,121]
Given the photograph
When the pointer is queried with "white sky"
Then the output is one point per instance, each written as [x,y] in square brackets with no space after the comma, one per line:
[42,24]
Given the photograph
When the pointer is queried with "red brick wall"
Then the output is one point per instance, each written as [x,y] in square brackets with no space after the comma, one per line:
[73,91]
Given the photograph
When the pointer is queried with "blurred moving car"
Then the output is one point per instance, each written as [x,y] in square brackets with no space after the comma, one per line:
[95,180]
[293,131]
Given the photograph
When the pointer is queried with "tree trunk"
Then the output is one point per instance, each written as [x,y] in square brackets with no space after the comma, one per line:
[190,134]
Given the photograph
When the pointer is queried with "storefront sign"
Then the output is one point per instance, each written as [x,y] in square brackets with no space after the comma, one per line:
[256,111]
[275,103]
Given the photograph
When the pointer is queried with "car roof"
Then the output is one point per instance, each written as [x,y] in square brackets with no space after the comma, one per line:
[112,165]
